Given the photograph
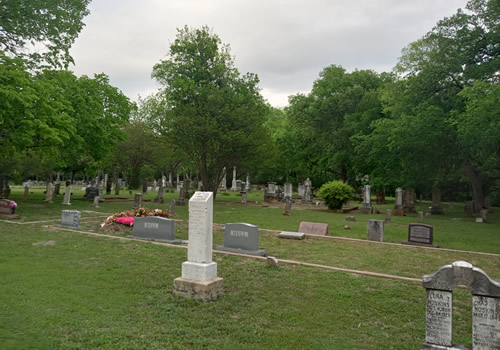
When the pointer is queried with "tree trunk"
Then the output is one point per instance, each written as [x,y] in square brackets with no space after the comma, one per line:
[475,181]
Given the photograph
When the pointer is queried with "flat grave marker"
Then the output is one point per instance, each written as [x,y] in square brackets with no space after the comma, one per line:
[313,228]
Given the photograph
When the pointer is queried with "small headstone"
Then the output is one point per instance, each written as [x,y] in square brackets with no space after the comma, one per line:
[95,204]
[138,200]
[26,192]
[288,206]
[243,197]
[234,185]
[241,238]
[313,228]
[398,212]
[49,193]
[67,196]
[399,199]
[288,190]
[409,200]
[155,228]
[479,220]
[484,215]
[292,235]
[70,218]
[301,190]
[171,209]
[436,208]
[376,230]
[159,196]
[350,218]
[388,216]
[420,234]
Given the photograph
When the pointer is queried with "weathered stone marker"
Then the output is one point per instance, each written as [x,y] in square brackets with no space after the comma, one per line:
[292,235]
[67,196]
[388,216]
[199,274]
[439,307]
[70,218]
[367,203]
[436,208]
[155,228]
[420,234]
[241,238]
[375,230]
[138,200]
[399,199]
[171,208]
[313,228]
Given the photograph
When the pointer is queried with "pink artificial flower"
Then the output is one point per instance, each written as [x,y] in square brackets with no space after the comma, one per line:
[13,204]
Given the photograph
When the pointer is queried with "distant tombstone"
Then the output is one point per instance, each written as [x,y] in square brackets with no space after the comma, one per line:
[222,185]
[186,185]
[149,189]
[439,307]
[388,216]
[101,198]
[307,191]
[367,196]
[200,185]
[70,218]
[300,190]
[57,187]
[240,186]
[67,196]
[181,200]
[137,200]
[375,230]
[170,183]
[420,217]
[271,187]
[171,209]
[179,186]
[399,199]
[420,234]
[409,200]
[234,186]
[95,204]
[199,274]
[243,197]
[26,192]
[313,228]
[155,228]
[270,192]
[288,206]
[241,238]
[108,184]
[91,192]
[484,215]
[248,188]
[292,235]
[49,193]
[437,207]
[288,190]
[380,195]
[159,196]
[117,186]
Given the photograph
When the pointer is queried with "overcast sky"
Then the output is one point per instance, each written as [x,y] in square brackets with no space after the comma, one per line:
[287,43]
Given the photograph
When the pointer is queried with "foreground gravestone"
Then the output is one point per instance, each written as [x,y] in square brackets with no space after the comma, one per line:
[155,228]
[375,230]
[420,234]
[313,228]
[70,218]
[439,307]
[241,238]
[199,274]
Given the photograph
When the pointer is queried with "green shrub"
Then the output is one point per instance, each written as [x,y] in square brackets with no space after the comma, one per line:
[335,194]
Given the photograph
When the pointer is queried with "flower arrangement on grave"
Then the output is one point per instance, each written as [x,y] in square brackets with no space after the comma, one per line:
[127,217]
[13,204]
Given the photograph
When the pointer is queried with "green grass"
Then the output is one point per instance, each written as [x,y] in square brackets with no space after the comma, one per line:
[95,292]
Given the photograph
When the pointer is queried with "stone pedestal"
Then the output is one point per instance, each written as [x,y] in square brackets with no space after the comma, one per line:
[202,290]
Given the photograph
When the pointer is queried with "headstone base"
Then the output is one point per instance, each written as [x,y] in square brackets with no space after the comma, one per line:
[199,271]
[366,210]
[201,290]
[427,346]
[180,202]
[259,252]
[420,244]
[292,235]
[398,212]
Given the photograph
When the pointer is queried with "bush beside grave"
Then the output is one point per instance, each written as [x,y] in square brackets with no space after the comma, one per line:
[335,194]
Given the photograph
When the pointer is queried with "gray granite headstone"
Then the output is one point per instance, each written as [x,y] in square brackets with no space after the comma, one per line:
[376,230]
[242,238]
[70,218]
[439,307]
[155,228]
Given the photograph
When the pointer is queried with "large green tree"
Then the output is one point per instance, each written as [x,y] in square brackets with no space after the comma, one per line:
[41,31]
[212,113]
[428,102]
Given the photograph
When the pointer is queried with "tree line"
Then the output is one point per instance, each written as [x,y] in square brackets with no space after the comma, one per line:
[434,121]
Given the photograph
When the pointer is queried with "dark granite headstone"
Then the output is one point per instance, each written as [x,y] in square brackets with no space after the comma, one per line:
[420,234]
[155,228]
[242,238]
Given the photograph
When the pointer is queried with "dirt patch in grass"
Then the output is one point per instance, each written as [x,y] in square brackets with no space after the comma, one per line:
[115,228]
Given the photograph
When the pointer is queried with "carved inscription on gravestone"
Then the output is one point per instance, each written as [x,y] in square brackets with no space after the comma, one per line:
[438,317]
[485,322]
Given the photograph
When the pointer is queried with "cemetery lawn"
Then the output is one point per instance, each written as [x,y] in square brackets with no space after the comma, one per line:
[71,290]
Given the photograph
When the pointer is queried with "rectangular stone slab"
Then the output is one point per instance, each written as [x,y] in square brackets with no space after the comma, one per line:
[313,228]
[292,235]
[154,228]
[485,323]
[438,315]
